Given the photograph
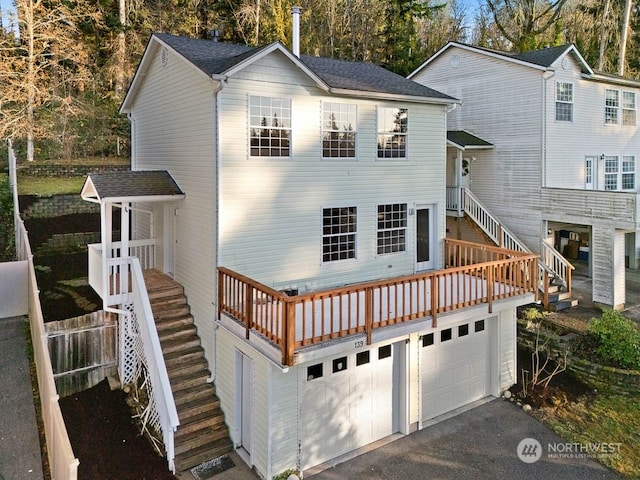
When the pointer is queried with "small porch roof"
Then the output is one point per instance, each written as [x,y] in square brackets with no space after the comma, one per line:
[463,140]
[131,186]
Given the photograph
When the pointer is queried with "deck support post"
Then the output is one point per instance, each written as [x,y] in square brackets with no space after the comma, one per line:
[434,301]
[248,310]
[368,313]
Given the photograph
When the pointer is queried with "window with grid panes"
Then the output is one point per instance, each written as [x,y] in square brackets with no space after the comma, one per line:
[564,102]
[629,108]
[269,126]
[392,132]
[339,229]
[611,171]
[628,179]
[392,228]
[339,130]
[612,107]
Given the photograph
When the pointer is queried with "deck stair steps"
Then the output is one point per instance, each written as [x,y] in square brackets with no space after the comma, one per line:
[556,287]
[203,434]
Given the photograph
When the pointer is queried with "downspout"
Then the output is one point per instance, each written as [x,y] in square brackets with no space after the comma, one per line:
[543,141]
[217,209]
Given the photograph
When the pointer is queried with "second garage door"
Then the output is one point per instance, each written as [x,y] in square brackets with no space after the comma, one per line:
[455,367]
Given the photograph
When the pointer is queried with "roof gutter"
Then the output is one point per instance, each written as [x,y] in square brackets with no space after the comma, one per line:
[391,96]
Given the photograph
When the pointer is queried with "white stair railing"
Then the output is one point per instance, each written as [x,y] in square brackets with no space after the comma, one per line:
[141,353]
[551,261]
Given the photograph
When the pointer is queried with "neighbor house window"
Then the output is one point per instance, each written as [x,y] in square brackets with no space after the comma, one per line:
[392,132]
[611,171]
[269,126]
[338,233]
[564,102]
[612,107]
[339,130]
[628,172]
[629,108]
[392,228]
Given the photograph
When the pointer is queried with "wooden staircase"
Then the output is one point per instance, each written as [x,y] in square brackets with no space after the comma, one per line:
[203,434]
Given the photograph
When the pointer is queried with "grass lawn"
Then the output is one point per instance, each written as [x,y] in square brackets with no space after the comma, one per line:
[46,186]
[605,418]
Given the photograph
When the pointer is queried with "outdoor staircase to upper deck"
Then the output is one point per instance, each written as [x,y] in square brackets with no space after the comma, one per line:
[203,434]
[555,270]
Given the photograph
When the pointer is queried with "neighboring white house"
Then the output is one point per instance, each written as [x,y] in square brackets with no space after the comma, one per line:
[311,245]
[564,161]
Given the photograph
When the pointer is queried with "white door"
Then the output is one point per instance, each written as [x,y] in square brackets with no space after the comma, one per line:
[244,404]
[590,163]
[455,366]
[347,402]
[424,238]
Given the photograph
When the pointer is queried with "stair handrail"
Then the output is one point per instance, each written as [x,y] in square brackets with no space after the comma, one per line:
[157,369]
[551,261]
[558,264]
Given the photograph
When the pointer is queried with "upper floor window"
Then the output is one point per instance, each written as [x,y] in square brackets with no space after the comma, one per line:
[392,228]
[611,172]
[628,178]
[269,126]
[612,107]
[339,130]
[629,108]
[564,102]
[392,132]
[339,229]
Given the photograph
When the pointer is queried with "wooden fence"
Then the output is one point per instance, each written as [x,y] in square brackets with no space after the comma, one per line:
[63,464]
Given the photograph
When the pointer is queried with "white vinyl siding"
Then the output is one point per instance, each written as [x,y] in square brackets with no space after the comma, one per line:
[174,131]
[271,209]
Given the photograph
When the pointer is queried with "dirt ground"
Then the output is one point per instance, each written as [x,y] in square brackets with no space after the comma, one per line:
[105,440]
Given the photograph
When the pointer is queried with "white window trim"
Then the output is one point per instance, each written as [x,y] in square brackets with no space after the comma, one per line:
[405,134]
[566,102]
[405,228]
[623,172]
[249,127]
[323,236]
[634,109]
[618,108]
[323,131]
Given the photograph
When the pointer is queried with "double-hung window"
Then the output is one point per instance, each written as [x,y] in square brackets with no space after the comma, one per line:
[628,179]
[629,109]
[339,130]
[392,132]
[612,107]
[611,172]
[269,126]
[564,102]
[339,230]
[392,228]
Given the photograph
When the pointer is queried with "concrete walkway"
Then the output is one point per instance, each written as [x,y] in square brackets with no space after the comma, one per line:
[19,440]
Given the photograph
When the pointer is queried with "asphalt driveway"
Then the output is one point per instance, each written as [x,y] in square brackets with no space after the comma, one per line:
[481,443]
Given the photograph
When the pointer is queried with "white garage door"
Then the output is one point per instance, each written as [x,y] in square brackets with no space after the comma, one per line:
[347,402]
[455,367]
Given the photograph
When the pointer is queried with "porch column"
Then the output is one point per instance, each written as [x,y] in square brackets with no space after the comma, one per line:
[608,252]
[459,181]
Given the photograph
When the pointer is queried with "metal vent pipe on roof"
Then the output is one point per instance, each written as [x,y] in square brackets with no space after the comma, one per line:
[295,13]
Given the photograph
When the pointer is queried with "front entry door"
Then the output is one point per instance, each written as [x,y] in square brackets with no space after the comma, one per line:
[424,238]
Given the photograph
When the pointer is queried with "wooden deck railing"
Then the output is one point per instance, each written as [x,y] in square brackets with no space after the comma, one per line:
[476,274]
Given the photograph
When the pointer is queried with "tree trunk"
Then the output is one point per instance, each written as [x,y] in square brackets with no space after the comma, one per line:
[603,34]
[122,49]
[623,37]
[31,74]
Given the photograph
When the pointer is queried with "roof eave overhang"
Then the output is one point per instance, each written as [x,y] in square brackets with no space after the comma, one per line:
[469,147]
[391,96]
[135,198]
[596,77]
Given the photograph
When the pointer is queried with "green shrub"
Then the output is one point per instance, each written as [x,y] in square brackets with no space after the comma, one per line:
[7,240]
[618,339]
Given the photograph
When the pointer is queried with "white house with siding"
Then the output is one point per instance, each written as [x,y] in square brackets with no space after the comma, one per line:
[308,233]
[563,164]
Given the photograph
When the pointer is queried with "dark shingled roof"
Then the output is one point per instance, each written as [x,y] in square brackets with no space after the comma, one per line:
[544,57]
[466,139]
[217,58]
[135,184]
